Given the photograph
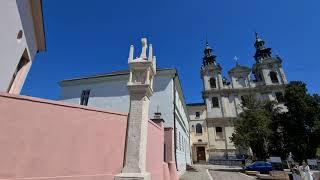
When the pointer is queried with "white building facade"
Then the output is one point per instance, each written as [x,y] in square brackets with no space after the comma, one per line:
[109,91]
[222,100]
[22,36]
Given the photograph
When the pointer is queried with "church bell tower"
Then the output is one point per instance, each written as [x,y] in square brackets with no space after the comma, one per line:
[210,70]
[267,69]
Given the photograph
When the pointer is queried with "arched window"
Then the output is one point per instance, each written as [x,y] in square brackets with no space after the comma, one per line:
[213,83]
[215,102]
[198,128]
[273,77]
[192,128]
[199,140]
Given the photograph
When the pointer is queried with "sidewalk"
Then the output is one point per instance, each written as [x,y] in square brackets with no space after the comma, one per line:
[213,172]
[200,172]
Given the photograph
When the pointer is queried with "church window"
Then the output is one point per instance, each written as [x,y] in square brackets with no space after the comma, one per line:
[213,83]
[199,128]
[279,97]
[199,140]
[273,77]
[219,134]
[215,102]
[84,97]
[197,114]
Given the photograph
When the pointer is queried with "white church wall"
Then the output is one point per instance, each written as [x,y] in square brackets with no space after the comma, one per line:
[16,16]
[213,112]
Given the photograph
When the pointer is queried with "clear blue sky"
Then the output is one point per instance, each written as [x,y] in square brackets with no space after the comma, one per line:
[91,37]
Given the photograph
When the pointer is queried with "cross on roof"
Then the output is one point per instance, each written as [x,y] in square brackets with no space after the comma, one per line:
[236,59]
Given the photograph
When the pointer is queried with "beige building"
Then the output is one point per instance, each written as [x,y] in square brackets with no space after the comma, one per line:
[22,37]
[212,122]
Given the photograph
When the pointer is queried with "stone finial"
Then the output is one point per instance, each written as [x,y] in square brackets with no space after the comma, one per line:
[131,53]
[144,45]
[150,53]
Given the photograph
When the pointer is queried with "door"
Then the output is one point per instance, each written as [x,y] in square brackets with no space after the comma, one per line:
[201,154]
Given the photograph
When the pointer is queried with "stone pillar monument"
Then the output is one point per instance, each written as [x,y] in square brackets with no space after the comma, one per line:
[142,71]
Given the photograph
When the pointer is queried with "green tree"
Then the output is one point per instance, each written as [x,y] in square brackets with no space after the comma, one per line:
[301,122]
[253,127]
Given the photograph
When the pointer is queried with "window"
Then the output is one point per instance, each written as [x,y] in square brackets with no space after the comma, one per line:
[197,114]
[279,97]
[84,97]
[215,102]
[273,77]
[199,128]
[192,128]
[213,83]
[219,134]
[199,140]
[19,74]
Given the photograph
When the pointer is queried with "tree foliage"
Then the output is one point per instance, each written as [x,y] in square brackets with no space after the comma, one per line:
[269,130]
[252,129]
[301,127]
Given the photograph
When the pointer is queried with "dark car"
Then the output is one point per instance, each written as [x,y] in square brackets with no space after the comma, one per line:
[261,166]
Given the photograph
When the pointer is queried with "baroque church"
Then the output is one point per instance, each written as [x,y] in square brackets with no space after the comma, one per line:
[212,122]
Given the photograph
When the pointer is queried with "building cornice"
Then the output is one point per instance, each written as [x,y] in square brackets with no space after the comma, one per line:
[38,23]
[264,88]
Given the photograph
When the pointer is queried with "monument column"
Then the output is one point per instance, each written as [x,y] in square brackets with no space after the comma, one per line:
[142,71]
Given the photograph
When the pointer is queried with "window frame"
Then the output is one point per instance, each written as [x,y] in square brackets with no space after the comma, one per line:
[84,98]
[199,129]
[274,77]
[197,114]
[213,83]
[215,103]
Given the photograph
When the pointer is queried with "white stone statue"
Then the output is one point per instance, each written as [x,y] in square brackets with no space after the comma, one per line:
[144,48]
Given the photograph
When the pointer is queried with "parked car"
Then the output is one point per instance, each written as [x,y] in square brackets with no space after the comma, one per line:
[261,166]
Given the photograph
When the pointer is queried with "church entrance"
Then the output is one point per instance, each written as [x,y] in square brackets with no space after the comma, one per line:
[201,154]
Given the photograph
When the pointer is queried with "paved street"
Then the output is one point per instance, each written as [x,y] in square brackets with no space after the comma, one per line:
[200,172]
[217,175]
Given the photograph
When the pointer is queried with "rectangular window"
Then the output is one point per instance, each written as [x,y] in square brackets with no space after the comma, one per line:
[84,97]
[215,102]
[197,114]
[219,133]
[279,97]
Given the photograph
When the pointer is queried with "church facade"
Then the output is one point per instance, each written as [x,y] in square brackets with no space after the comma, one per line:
[212,122]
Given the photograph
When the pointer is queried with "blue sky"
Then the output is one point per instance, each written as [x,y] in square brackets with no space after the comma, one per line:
[90,37]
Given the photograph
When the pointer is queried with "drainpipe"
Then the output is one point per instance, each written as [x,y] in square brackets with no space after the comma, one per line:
[174,121]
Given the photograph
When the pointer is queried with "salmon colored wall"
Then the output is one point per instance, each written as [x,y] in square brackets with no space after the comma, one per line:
[155,151]
[43,139]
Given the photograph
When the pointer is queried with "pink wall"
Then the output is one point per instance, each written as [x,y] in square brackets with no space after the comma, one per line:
[155,151]
[43,139]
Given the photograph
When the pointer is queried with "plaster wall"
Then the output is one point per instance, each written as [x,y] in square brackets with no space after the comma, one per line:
[155,151]
[43,139]
[15,15]
[113,94]
[182,134]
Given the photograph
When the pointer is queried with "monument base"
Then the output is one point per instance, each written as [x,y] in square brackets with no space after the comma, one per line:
[133,176]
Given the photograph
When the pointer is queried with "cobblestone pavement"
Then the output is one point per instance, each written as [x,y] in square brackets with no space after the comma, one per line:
[200,172]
